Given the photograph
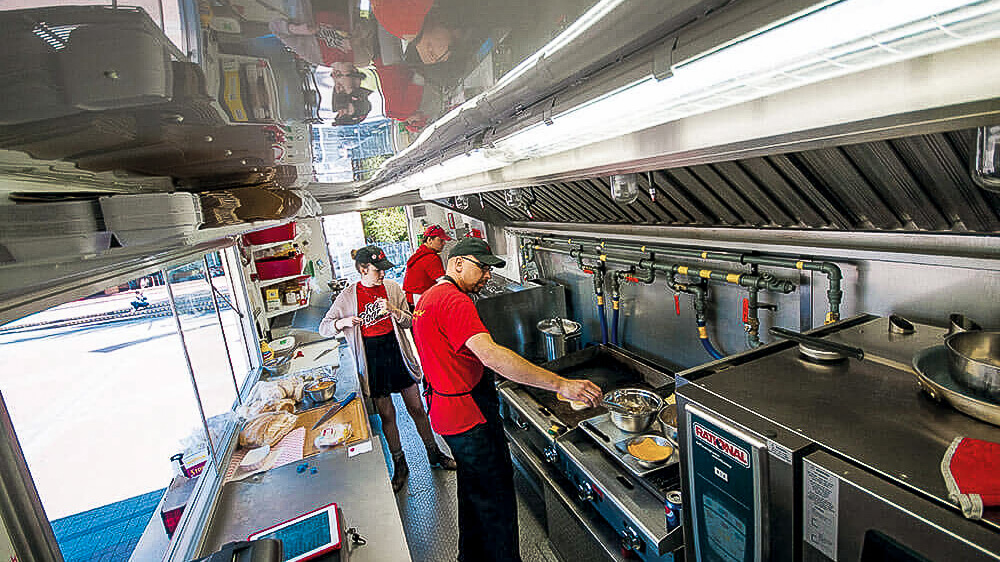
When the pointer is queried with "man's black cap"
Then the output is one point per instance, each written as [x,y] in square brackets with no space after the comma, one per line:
[373,255]
[477,248]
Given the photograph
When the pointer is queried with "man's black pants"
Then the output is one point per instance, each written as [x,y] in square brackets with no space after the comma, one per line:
[487,506]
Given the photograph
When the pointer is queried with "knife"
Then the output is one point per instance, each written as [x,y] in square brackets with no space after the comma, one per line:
[335,408]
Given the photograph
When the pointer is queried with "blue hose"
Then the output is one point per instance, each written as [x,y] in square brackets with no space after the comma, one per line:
[614,322]
[604,320]
[703,336]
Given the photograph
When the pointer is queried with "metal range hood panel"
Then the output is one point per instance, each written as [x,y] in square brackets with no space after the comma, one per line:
[912,184]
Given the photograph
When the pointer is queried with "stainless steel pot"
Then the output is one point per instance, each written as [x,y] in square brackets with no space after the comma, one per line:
[633,409]
[974,361]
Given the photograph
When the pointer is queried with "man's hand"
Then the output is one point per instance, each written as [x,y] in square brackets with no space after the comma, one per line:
[581,391]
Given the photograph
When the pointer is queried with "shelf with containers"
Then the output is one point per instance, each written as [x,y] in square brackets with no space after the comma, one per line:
[277,268]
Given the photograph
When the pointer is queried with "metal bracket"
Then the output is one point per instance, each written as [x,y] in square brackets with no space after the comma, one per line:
[663,59]
[547,112]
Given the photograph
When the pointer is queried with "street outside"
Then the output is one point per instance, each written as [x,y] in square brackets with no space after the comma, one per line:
[99,410]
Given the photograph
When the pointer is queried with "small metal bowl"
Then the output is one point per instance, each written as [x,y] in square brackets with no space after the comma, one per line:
[667,420]
[321,394]
[645,403]
[660,440]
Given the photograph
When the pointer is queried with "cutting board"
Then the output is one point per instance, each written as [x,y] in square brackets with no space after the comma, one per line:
[353,413]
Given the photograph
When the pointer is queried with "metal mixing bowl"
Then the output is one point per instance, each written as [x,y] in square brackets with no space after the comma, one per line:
[641,407]
[974,361]
[322,394]
[667,420]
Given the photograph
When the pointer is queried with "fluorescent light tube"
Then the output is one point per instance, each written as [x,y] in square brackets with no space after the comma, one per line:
[833,40]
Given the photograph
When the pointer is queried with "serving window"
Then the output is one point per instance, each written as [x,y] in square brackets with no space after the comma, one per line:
[100,395]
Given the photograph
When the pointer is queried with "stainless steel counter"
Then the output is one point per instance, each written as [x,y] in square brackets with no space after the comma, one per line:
[359,485]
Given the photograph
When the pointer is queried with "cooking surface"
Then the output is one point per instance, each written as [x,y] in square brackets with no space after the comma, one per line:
[864,410]
[606,367]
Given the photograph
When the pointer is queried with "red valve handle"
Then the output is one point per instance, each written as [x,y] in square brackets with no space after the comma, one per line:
[631,279]
[746,311]
[677,304]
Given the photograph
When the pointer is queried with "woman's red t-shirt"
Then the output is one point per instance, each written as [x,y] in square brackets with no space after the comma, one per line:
[375,319]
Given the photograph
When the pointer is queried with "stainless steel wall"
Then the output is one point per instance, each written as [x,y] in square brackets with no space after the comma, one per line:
[919,287]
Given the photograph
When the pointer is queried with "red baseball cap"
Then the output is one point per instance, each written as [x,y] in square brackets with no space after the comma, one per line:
[435,230]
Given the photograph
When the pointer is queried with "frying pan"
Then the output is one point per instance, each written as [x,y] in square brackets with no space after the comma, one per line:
[974,361]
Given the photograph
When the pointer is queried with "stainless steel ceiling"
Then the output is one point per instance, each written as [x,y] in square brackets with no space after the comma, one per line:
[918,183]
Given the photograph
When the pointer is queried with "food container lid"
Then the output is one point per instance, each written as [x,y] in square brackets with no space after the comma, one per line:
[549,326]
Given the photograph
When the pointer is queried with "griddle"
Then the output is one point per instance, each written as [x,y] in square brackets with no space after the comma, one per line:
[609,367]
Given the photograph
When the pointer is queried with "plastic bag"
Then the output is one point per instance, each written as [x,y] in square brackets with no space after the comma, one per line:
[266,429]
[333,435]
[195,441]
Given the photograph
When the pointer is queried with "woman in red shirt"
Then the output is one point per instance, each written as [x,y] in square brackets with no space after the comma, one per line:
[373,315]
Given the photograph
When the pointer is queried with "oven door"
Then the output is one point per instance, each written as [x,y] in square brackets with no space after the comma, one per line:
[849,513]
[726,488]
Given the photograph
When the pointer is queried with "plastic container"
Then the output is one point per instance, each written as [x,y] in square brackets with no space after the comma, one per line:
[271,235]
[274,268]
[150,217]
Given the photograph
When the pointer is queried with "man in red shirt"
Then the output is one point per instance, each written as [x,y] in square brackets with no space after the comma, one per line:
[424,268]
[454,349]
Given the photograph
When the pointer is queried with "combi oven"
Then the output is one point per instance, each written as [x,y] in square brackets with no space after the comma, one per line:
[787,458]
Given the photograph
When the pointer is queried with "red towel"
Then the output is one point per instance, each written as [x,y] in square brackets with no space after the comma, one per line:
[971,470]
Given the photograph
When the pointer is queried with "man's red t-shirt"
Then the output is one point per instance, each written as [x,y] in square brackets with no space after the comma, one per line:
[423,269]
[375,319]
[444,320]
[401,96]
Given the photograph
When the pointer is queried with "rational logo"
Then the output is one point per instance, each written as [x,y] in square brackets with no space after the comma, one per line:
[722,445]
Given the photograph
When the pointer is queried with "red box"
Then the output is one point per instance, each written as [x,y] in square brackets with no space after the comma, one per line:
[278,233]
[273,268]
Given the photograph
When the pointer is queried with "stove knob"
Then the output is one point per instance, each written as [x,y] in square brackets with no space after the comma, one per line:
[585,492]
[550,454]
[631,540]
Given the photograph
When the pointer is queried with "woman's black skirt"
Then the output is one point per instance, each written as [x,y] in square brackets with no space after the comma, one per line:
[386,371]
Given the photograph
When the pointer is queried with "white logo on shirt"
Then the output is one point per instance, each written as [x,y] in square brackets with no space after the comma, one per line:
[374,313]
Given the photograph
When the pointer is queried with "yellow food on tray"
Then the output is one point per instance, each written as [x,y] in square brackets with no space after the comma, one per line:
[649,450]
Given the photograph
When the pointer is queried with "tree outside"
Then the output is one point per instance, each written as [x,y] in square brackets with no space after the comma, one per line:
[385,225]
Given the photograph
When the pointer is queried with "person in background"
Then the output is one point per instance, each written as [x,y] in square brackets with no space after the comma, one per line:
[455,350]
[424,267]
[326,37]
[372,314]
[352,108]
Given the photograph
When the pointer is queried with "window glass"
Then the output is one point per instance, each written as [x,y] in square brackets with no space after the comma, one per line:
[100,397]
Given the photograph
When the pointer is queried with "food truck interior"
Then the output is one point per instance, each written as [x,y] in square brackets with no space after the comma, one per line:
[767,229]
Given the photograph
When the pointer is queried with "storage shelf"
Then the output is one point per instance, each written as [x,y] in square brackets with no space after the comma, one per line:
[284,310]
[258,247]
[269,282]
